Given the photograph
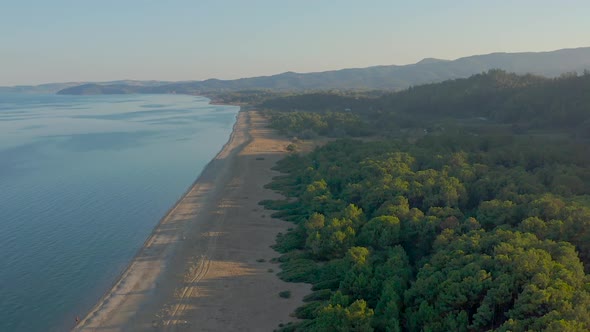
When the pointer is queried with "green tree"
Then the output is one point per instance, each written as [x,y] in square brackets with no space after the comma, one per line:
[354,318]
[380,232]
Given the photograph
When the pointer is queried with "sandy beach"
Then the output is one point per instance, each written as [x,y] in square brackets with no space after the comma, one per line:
[206,266]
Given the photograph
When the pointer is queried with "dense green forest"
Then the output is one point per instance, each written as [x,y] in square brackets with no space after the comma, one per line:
[309,124]
[525,102]
[449,230]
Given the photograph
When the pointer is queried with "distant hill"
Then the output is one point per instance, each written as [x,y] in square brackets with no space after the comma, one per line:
[97,89]
[550,64]
[38,89]
[52,88]
[427,61]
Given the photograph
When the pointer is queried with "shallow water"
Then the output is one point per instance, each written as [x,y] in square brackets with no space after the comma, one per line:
[83,181]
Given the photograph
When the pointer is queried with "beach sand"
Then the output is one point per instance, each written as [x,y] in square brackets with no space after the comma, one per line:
[202,268]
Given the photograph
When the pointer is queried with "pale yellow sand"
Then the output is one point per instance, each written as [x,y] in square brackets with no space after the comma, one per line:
[198,271]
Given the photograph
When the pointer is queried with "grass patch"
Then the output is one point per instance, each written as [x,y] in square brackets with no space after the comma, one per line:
[331,284]
[308,310]
[294,327]
[285,294]
[278,205]
[320,295]
[261,260]
[299,270]
[294,240]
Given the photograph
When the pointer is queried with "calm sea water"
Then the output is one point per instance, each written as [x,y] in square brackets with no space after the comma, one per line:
[83,181]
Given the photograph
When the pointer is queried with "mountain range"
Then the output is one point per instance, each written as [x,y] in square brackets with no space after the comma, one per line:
[391,77]
[51,88]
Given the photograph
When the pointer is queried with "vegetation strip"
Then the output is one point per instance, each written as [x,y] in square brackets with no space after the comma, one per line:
[449,230]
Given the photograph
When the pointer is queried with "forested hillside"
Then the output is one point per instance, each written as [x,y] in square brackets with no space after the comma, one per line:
[449,230]
[526,102]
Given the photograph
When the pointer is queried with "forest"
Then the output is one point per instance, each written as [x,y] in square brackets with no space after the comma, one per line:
[525,102]
[450,230]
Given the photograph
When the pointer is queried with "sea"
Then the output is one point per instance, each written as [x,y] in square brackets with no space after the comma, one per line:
[83,182]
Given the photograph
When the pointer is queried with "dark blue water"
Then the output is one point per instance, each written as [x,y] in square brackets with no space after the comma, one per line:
[83,181]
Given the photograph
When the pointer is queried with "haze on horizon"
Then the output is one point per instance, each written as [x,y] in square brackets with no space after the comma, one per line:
[66,40]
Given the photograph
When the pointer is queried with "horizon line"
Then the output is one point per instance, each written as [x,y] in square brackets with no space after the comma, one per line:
[287,72]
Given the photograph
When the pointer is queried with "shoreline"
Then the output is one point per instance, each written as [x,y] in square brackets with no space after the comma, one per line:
[184,255]
[121,276]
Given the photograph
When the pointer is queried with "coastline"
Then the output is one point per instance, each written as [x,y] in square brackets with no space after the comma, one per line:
[161,284]
[109,292]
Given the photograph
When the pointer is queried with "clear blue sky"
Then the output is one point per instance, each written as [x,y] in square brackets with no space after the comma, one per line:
[77,40]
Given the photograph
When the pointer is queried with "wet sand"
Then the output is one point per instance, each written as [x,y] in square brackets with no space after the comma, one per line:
[206,265]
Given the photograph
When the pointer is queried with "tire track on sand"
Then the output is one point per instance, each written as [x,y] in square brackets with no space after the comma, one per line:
[198,274]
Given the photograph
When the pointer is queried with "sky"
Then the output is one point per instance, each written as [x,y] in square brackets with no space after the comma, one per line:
[81,40]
